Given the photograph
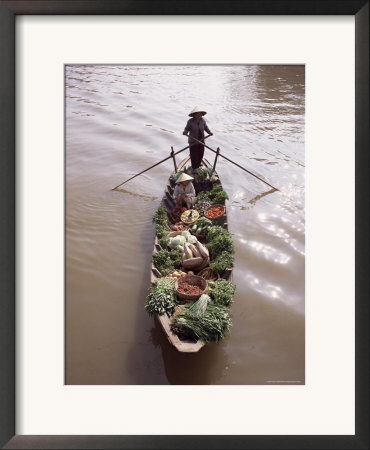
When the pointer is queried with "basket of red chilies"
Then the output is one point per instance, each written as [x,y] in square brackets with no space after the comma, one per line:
[191,287]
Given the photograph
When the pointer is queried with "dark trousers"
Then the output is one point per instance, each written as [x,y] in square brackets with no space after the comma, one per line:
[196,155]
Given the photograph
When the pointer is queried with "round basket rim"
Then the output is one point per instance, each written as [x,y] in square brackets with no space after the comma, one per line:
[190,296]
[193,221]
[213,205]
[214,271]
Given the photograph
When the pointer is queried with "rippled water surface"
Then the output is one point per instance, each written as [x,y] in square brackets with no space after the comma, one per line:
[123,119]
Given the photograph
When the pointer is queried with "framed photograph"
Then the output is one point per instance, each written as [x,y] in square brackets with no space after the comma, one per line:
[96,99]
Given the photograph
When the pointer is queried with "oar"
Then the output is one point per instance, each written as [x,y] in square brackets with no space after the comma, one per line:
[154,165]
[227,159]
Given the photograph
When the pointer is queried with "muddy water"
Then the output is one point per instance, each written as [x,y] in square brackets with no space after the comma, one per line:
[123,119]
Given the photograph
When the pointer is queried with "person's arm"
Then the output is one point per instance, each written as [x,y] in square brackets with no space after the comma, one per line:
[187,128]
[207,129]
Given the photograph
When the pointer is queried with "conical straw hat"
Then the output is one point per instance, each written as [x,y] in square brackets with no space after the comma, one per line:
[197,109]
[184,177]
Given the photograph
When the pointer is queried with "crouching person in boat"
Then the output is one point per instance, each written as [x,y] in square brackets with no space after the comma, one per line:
[184,192]
[195,128]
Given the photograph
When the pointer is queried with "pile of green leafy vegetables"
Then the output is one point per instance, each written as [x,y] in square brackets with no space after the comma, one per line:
[162,227]
[166,261]
[162,298]
[221,247]
[211,326]
[221,292]
[215,195]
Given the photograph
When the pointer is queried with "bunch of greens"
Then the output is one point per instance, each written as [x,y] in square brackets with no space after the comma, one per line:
[222,262]
[163,241]
[219,241]
[162,228]
[215,195]
[221,292]
[160,217]
[218,195]
[199,307]
[203,196]
[201,174]
[162,298]
[166,261]
[214,230]
[212,326]
[201,226]
[166,283]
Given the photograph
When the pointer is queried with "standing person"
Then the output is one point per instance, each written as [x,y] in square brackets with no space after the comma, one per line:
[184,191]
[195,128]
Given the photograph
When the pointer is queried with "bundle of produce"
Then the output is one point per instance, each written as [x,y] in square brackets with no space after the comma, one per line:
[199,307]
[160,217]
[201,174]
[222,262]
[163,241]
[201,226]
[202,207]
[176,213]
[166,261]
[220,242]
[179,226]
[162,297]
[221,247]
[221,292]
[177,242]
[195,256]
[189,216]
[177,274]
[211,326]
[215,195]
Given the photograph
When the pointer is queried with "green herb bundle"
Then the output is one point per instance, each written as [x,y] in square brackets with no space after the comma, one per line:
[161,230]
[199,307]
[160,217]
[222,262]
[214,231]
[166,283]
[212,326]
[215,195]
[164,241]
[162,298]
[166,261]
[222,292]
[221,243]
[201,174]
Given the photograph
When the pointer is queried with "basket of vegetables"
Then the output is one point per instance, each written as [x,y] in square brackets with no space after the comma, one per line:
[215,211]
[189,216]
[190,287]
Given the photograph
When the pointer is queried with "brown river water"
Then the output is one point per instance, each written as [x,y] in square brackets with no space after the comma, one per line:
[121,120]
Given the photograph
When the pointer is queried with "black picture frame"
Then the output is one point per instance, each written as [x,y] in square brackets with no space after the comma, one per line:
[8,12]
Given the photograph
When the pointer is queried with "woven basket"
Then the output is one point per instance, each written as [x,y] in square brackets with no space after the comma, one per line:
[216,274]
[195,280]
[212,206]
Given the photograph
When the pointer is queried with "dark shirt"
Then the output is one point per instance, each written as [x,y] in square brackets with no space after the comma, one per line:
[196,129]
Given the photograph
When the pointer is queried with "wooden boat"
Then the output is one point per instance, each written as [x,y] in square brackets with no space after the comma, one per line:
[185,346]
